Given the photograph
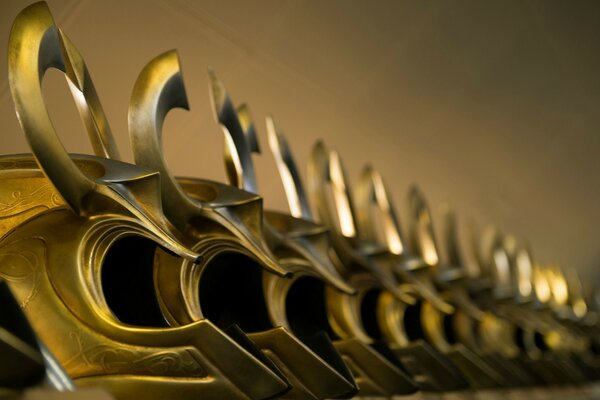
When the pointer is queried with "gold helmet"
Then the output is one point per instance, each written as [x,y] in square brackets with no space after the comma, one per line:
[230,286]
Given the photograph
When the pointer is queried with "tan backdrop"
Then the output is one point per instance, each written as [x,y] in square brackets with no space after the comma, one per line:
[492,107]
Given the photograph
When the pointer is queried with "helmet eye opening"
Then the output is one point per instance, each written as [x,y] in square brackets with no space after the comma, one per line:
[413,325]
[368,313]
[306,309]
[448,321]
[127,278]
[230,292]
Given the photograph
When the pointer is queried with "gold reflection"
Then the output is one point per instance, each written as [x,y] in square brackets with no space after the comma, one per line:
[428,249]
[294,192]
[580,308]
[524,272]
[560,290]
[338,184]
[392,235]
[502,265]
[542,285]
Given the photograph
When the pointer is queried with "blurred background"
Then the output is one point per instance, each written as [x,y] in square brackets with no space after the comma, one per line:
[490,107]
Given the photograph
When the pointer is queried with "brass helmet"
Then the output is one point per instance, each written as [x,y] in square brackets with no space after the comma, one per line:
[79,236]
[230,286]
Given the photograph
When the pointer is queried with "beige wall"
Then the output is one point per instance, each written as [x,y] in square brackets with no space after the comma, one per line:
[491,107]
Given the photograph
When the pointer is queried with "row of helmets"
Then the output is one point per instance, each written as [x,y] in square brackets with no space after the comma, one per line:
[152,286]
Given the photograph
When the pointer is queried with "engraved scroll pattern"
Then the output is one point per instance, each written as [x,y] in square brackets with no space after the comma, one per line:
[42,197]
[106,359]
[20,264]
